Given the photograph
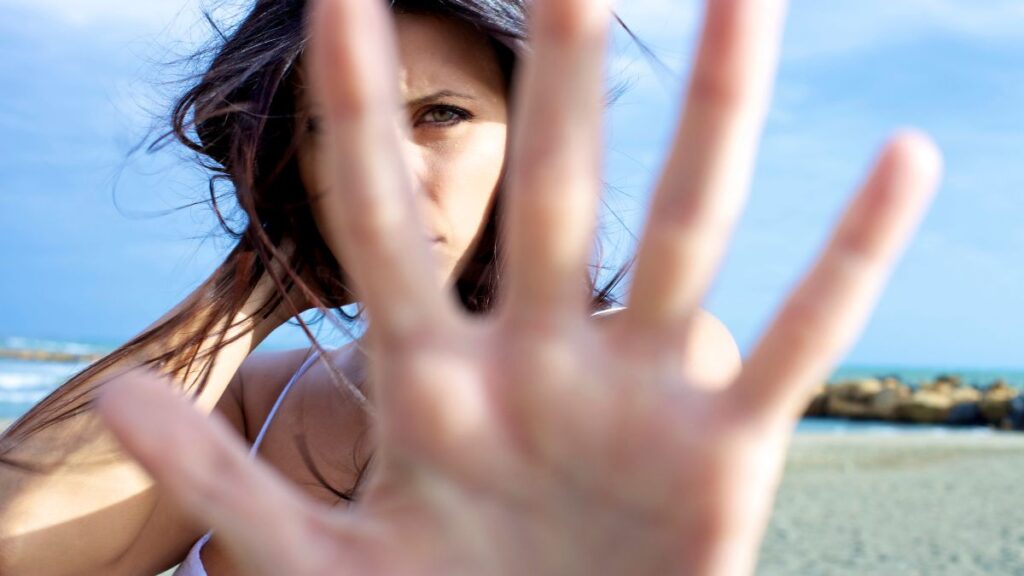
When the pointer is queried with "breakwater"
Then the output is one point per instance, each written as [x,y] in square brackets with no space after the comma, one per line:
[946,400]
[48,356]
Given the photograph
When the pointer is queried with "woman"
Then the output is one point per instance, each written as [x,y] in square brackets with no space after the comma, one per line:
[529,440]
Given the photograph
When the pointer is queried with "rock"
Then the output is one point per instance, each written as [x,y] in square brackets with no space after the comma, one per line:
[851,399]
[46,356]
[926,407]
[866,399]
[1015,415]
[838,407]
[886,404]
[966,395]
[816,407]
[965,407]
[893,383]
[965,414]
[995,402]
[856,390]
[945,387]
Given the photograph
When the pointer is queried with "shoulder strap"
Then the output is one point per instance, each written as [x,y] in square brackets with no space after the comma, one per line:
[608,312]
[193,564]
[280,398]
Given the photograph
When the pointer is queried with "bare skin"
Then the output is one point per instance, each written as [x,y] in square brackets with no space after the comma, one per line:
[540,441]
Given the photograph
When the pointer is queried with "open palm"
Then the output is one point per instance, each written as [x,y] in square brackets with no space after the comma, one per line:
[540,440]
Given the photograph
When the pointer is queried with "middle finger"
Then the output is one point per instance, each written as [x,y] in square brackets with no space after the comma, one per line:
[555,165]
[703,188]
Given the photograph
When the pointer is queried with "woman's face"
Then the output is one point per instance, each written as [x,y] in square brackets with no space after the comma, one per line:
[455,108]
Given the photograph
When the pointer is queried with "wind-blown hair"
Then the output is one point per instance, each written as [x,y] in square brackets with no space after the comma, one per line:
[242,120]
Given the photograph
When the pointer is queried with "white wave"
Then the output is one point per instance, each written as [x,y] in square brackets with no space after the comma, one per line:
[34,376]
[22,381]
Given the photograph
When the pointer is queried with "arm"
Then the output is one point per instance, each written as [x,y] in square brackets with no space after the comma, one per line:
[106,516]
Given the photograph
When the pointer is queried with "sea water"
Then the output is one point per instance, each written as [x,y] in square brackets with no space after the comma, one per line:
[23,384]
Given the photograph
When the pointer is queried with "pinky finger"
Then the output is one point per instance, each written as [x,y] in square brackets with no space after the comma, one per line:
[825,315]
[265,524]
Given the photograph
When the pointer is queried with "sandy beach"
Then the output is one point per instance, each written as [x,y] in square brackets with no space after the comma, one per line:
[912,504]
[898,505]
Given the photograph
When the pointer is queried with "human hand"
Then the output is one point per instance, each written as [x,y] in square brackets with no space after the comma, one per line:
[538,441]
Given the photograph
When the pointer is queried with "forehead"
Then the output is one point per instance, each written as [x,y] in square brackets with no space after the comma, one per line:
[436,53]
[435,50]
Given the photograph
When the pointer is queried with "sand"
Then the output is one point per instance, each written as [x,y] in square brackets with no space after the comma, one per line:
[897,505]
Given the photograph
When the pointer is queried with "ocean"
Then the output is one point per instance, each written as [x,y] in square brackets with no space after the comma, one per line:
[24,383]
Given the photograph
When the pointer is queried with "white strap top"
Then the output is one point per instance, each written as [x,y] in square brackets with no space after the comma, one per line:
[193,564]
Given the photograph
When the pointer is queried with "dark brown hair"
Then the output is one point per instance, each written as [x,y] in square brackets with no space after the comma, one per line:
[240,117]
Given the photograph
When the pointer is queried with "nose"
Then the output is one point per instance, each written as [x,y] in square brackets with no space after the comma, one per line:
[415,163]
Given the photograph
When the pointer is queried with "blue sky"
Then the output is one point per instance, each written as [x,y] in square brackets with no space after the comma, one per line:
[80,81]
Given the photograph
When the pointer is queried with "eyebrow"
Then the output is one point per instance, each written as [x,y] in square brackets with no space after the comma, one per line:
[421,100]
[437,96]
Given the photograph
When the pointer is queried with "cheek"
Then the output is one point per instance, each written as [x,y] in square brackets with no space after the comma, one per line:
[463,179]
[459,177]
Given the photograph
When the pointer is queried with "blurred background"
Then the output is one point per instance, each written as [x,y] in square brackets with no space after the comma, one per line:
[94,249]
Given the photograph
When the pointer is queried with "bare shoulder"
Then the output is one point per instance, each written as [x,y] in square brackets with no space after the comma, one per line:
[714,357]
[256,386]
[718,357]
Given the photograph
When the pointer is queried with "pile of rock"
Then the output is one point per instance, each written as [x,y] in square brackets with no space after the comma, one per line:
[946,400]
[47,356]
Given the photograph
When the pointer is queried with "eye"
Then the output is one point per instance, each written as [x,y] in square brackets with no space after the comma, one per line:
[442,116]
